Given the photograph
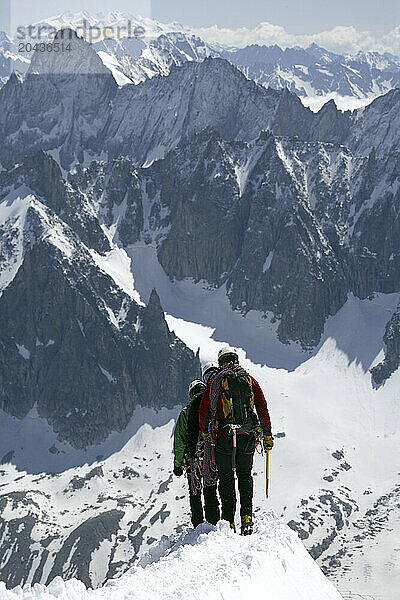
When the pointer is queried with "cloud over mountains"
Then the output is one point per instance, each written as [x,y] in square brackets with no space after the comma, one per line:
[342,39]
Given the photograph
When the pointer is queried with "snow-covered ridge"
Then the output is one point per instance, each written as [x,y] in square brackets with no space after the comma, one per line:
[209,562]
[21,213]
[100,22]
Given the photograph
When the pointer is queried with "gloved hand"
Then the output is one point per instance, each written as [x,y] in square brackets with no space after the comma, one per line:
[178,471]
[268,442]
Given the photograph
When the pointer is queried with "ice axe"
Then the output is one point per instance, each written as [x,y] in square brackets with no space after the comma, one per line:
[234,429]
[267,473]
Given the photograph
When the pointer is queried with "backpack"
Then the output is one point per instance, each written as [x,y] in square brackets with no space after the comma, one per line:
[236,402]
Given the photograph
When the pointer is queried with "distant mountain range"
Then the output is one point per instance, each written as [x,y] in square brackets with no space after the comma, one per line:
[313,73]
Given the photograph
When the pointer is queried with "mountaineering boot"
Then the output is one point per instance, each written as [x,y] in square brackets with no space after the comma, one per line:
[247,525]
[232,526]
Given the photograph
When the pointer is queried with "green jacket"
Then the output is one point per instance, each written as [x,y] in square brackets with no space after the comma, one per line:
[181,432]
[181,436]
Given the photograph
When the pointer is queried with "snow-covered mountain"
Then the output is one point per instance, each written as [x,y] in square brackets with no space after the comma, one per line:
[155,58]
[316,74]
[328,507]
[257,204]
[258,223]
[62,304]
[10,60]
[87,115]
[102,21]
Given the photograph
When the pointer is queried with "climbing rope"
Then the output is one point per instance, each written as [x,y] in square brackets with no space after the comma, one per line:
[210,472]
[194,469]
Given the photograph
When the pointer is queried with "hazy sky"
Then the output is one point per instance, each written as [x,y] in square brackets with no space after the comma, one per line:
[307,16]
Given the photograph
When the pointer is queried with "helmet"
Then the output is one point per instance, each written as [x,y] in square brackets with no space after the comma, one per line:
[227,355]
[208,370]
[196,387]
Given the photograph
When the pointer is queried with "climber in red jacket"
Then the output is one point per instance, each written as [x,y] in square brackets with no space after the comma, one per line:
[232,412]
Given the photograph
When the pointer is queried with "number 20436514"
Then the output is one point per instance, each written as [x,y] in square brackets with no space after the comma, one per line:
[44,47]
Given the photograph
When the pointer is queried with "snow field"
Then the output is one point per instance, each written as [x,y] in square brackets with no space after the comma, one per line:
[209,562]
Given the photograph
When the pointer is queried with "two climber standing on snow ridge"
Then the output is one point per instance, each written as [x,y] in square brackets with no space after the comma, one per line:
[232,417]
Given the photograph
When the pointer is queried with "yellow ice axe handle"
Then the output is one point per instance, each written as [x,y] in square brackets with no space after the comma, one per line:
[267,472]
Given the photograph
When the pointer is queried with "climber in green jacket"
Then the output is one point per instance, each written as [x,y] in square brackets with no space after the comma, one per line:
[186,436]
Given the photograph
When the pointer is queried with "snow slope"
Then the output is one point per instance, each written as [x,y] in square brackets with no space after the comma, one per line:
[333,477]
[209,562]
[336,435]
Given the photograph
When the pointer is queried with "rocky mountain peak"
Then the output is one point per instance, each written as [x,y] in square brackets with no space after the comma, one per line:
[14,80]
[154,303]
[154,321]
[74,57]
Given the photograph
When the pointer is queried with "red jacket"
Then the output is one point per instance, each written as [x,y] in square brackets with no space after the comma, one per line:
[259,403]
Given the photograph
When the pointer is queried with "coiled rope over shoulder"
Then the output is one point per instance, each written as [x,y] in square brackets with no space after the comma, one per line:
[210,472]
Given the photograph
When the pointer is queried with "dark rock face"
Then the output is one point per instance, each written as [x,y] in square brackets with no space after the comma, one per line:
[289,227]
[391,363]
[158,346]
[330,124]
[117,188]
[159,113]
[59,323]
[376,126]
[72,342]
[291,119]
[287,265]
[42,174]
[18,531]
[82,110]
[376,233]
[63,101]
[205,212]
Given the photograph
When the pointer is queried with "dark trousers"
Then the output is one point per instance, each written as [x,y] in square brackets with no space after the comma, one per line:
[246,445]
[211,505]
